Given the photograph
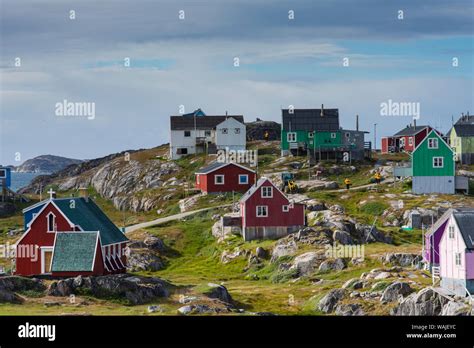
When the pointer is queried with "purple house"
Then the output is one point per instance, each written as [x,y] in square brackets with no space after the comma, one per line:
[456,253]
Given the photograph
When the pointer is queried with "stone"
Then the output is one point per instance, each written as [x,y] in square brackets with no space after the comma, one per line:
[219,292]
[154,243]
[154,309]
[454,308]
[353,283]
[261,253]
[342,237]
[283,249]
[395,290]
[328,303]
[306,263]
[382,275]
[401,259]
[426,302]
[332,265]
[146,260]
[349,310]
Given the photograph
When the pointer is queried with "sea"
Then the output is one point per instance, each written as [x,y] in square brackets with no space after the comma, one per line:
[20,180]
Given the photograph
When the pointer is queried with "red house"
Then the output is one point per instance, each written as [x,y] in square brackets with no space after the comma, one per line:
[224,177]
[405,140]
[267,213]
[69,237]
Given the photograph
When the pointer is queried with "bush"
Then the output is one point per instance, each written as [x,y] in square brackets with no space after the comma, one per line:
[374,208]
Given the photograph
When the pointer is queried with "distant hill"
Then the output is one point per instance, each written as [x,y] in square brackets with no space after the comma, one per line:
[256,130]
[46,164]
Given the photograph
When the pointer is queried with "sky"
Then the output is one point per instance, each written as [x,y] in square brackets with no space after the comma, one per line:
[46,57]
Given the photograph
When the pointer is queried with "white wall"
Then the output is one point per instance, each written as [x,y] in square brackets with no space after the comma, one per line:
[232,140]
[178,140]
[448,247]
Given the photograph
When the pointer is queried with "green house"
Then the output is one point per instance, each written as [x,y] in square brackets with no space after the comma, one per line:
[461,138]
[433,166]
[317,132]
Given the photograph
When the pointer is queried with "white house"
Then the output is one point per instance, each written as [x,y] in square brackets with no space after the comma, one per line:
[231,134]
[197,133]
[456,254]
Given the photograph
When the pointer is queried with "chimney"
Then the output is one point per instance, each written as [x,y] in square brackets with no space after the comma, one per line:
[357,122]
[414,123]
[322,110]
[84,193]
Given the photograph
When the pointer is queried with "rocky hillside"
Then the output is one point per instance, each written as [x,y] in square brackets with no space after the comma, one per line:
[46,164]
[256,130]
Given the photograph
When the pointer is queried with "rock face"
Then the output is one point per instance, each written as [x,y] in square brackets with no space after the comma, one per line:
[456,308]
[352,309]
[46,164]
[402,259]
[116,177]
[394,290]
[425,302]
[256,130]
[283,249]
[328,303]
[135,289]
[143,261]
[10,285]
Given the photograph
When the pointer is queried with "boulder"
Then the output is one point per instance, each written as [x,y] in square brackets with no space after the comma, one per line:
[352,309]
[261,253]
[426,302]
[145,260]
[401,259]
[395,290]
[456,308]
[63,287]
[332,265]
[283,249]
[328,303]
[353,283]
[342,237]
[315,206]
[219,292]
[9,285]
[154,243]
[306,263]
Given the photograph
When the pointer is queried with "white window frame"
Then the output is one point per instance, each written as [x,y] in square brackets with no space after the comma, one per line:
[457,259]
[225,131]
[264,195]
[47,223]
[246,176]
[333,135]
[310,135]
[187,132]
[410,141]
[433,143]
[291,137]
[220,176]
[402,141]
[4,171]
[451,231]
[237,130]
[265,207]
[285,208]
[442,162]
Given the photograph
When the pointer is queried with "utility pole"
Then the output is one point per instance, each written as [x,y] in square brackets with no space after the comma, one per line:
[375,137]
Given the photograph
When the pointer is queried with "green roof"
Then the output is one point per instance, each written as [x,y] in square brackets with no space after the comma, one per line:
[74,251]
[90,217]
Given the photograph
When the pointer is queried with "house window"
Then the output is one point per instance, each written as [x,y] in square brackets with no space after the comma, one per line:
[348,135]
[457,259]
[267,192]
[262,211]
[333,135]
[410,141]
[3,173]
[402,142]
[451,232]
[51,220]
[187,133]
[182,151]
[311,135]
[291,137]
[225,131]
[237,130]
[243,179]
[285,208]
[219,179]
[207,133]
[432,143]
[438,162]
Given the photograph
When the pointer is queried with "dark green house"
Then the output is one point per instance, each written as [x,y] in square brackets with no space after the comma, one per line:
[318,132]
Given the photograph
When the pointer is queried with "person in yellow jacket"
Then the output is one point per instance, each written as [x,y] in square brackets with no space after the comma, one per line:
[348,183]
[378,177]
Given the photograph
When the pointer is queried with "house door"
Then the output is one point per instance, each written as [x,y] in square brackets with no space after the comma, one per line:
[47,256]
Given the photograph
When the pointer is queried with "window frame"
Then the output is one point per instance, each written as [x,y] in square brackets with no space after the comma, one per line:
[333,135]
[431,145]
[451,232]
[262,190]
[225,130]
[265,209]
[458,259]
[48,230]
[246,179]
[441,164]
[285,208]
[219,176]
[237,130]
[187,133]
[292,135]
